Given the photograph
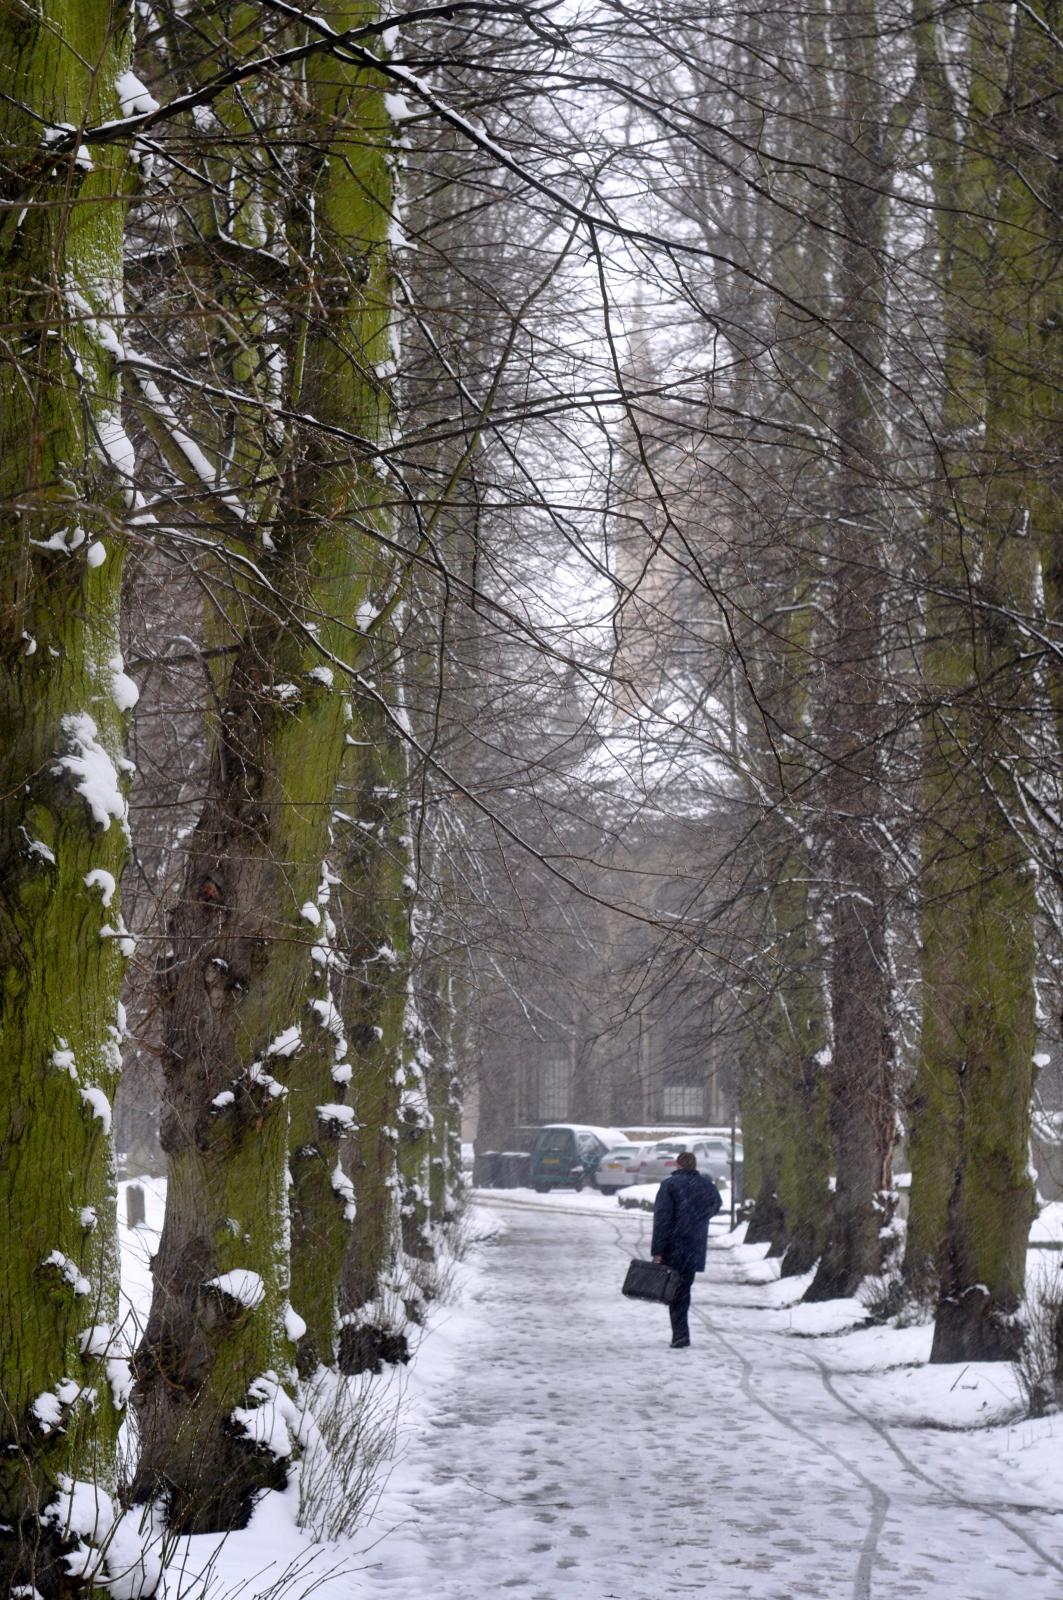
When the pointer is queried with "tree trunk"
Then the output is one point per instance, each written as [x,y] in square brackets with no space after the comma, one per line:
[240,992]
[863,1111]
[372,911]
[64,465]
[972,1199]
[789,1015]
[444,1095]
[971,1194]
[790,1119]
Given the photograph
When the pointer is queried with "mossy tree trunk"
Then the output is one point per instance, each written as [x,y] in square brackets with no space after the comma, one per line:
[972,1197]
[862,1110]
[799,1031]
[373,939]
[415,1129]
[320,1121]
[792,1203]
[784,1095]
[64,485]
[964,189]
[444,1093]
[242,997]
[785,1104]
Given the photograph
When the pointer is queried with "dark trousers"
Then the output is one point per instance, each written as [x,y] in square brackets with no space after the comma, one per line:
[679,1308]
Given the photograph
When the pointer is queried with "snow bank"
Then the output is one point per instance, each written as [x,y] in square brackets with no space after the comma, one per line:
[116,1552]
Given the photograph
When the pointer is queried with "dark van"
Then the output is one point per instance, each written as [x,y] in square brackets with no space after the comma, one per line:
[565,1155]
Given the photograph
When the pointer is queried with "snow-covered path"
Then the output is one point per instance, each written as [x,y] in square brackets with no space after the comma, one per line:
[571,1455]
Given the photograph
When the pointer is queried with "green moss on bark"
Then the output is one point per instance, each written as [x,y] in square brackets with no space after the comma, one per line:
[374,938]
[63,841]
[241,974]
[972,1197]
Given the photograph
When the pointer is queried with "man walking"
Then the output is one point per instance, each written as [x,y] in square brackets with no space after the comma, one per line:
[685,1204]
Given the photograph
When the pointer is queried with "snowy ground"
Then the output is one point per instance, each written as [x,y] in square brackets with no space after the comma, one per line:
[553,1447]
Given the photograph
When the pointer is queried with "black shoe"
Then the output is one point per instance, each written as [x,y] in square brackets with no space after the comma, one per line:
[680,1344]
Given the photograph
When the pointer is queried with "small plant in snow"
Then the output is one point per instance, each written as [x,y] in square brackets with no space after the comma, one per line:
[351,1428]
[1039,1364]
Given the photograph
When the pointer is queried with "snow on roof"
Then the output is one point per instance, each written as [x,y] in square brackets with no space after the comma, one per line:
[608,1136]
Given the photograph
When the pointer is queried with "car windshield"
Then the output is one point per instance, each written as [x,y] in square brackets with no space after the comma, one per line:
[623,1150]
[669,1149]
[555,1139]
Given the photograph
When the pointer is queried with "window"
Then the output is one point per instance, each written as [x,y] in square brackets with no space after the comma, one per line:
[553,1090]
[683,1101]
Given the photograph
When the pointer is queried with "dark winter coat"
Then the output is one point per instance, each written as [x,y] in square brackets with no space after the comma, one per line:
[685,1202]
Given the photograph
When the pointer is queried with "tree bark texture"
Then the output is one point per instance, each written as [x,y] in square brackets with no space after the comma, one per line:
[242,990]
[863,1111]
[972,1195]
[63,831]
[374,940]
[788,1039]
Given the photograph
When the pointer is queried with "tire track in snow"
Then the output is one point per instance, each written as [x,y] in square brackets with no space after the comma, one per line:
[628,1241]
[880,1500]
[947,1494]
[980,1507]
[882,1430]
[866,1554]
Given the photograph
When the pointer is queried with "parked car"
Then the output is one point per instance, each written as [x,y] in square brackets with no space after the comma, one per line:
[619,1167]
[713,1158]
[565,1155]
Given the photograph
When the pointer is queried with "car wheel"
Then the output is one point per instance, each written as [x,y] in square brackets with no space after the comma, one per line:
[542,1188]
[604,1189]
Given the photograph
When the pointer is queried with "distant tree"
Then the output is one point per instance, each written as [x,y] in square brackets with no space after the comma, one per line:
[863,1110]
[371,906]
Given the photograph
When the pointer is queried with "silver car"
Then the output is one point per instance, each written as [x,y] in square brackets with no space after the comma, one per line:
[713,1158]
[619,1167]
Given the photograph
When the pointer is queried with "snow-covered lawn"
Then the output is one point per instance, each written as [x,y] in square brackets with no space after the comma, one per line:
[552,1445]
[1047,1229]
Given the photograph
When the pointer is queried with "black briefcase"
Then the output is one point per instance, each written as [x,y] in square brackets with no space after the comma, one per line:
[651,1280]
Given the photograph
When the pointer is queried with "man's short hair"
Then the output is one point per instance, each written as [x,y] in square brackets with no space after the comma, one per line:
[687,1160]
